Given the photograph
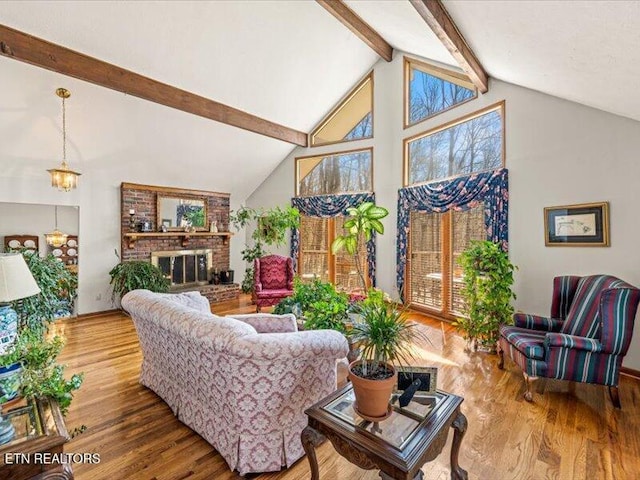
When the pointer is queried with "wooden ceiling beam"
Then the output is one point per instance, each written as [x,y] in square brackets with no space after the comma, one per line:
[358,26]
[439,20]
[41,53]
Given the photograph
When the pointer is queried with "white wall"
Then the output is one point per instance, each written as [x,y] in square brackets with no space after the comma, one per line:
[27,219]
[558,153]
[112,138]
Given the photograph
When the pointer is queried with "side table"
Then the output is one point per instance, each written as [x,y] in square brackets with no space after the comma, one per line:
[397,446]
[37,446]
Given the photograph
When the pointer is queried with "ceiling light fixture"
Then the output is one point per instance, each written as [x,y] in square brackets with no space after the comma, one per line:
[62,178]
[56,238]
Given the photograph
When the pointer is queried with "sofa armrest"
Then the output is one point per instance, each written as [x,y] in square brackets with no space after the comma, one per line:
[564,340]
[309,344]
[268,322]
[536,322]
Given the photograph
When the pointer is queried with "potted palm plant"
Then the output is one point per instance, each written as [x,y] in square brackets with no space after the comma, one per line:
[384,337]
[362,222]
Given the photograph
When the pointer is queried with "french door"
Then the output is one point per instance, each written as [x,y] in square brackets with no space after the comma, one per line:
[436,240]
[315,259]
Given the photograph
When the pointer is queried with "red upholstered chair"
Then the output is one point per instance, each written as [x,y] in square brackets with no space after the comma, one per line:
[272,281]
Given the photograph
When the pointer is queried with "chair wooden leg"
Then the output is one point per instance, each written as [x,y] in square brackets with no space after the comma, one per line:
[258,308]
[500,356]
[615,398]
[528,380]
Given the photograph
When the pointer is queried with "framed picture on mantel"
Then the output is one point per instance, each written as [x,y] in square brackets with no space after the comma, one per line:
[582,225]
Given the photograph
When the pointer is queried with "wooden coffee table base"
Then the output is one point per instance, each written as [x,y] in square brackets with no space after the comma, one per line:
[315,433]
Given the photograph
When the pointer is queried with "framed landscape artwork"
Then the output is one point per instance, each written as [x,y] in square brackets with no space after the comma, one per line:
[583,225]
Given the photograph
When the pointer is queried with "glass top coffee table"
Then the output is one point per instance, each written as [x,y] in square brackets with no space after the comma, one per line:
[397,446]
[33,435]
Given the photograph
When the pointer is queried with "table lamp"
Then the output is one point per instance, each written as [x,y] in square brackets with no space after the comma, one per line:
[16,282]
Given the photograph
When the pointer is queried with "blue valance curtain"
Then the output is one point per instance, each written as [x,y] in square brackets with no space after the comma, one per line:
[327,206]
[489,188]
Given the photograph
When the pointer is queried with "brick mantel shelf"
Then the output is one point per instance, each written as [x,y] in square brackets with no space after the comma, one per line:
[133,236]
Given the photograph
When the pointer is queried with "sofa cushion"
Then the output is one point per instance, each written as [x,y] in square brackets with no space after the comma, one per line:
[528,342]
[583,317]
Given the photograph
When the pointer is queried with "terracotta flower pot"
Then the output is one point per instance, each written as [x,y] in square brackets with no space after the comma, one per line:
[372,396]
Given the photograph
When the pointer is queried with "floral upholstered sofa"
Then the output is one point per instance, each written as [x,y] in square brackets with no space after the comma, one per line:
[241,382]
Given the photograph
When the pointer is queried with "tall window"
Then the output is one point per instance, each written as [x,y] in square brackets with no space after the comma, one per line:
[315,260]
[352,119]
[314,254]
[436,241]
[346,172]
[430,90]
[473,143]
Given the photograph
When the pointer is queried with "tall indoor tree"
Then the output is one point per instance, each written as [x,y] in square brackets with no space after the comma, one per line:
[363,221]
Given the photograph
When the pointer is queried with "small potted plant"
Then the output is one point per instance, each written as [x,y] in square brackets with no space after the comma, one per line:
[41,375]
[384,337]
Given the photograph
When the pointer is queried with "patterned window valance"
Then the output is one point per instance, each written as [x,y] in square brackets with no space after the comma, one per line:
[328,206]
[489,188]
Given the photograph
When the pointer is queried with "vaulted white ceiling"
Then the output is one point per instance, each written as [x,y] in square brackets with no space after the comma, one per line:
[285,61]
[587,51]
[290,62]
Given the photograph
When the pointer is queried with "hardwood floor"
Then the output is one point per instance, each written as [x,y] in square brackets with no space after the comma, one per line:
[570,432]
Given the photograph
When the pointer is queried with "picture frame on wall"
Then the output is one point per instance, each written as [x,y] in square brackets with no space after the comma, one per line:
[581,225]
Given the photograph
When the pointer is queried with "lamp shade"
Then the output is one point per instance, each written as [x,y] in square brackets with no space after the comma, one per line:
[16,281]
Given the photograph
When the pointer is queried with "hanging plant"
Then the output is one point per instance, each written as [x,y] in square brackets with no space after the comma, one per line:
[271,230]
[488,278]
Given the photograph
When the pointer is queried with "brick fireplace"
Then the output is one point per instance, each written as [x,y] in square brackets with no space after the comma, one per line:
[143,200]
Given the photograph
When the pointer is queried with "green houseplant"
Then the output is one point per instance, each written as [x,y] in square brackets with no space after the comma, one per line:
[362,222]
[41,375]
[271,230]
[32,358]
[488,278]
[58,290]
[318,303]
[127,276]
[384,337]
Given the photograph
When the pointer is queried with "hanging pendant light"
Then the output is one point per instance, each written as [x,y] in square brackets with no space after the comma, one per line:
[62,177]
[56,238]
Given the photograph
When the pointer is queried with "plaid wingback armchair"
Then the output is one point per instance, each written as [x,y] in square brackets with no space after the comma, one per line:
[272,280]
[584,340]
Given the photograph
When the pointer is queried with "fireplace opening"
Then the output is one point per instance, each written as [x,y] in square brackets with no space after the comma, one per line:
[184,268]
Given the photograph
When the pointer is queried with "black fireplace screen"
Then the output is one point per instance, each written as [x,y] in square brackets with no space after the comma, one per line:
[184,270]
